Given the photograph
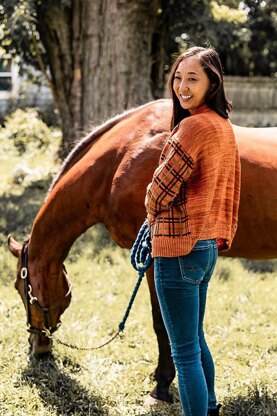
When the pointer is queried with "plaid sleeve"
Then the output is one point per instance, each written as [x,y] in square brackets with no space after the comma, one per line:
[175,168]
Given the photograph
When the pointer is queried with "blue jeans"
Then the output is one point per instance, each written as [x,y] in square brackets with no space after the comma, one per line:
[181,284]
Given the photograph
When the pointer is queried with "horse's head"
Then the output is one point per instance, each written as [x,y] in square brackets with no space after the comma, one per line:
[45,292]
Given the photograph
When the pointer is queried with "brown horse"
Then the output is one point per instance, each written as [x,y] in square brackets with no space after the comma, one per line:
[104,180]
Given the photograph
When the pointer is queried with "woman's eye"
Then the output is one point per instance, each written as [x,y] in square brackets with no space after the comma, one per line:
[192,79]
[176,78]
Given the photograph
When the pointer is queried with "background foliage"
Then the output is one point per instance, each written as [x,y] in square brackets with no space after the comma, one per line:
[26,130]
[244,32]
[96,69]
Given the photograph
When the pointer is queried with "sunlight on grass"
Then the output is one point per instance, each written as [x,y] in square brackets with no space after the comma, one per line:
[116,379]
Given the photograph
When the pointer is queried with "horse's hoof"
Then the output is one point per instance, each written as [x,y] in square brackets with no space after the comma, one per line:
[151,401]
[161,395]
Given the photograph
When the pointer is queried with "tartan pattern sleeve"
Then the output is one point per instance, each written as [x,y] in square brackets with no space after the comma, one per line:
[174,169]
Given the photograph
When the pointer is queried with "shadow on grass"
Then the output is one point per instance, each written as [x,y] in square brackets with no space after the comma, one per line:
[59,391]
[18,210]
[258,401]
[260,266]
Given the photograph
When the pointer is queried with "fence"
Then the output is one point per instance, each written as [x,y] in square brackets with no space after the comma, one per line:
[254,100]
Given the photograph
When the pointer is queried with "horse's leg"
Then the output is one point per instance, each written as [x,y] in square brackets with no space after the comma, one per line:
[165,372]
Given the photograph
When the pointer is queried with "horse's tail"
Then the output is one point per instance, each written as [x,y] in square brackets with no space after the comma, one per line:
[86,141]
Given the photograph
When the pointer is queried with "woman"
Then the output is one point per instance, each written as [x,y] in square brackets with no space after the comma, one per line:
[192,205]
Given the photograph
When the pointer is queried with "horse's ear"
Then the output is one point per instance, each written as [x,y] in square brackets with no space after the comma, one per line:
[14,247]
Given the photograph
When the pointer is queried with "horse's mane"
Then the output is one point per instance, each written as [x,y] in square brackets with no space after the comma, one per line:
[89,138]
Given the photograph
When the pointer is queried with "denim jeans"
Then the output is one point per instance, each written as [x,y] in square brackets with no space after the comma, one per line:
[181,284]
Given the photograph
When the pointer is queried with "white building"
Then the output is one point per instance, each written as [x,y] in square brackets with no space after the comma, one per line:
[17,90]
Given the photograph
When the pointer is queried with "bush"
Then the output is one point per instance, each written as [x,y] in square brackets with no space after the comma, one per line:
[27,131]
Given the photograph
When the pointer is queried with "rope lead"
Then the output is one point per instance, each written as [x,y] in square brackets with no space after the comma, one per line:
[141,260]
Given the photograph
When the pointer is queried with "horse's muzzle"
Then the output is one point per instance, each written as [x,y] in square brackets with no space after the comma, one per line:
[40,345]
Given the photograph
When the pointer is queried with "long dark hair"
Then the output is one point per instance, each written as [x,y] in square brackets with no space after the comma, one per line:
[216,99]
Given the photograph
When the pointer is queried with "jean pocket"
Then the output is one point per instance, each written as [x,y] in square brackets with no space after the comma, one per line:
[194,265]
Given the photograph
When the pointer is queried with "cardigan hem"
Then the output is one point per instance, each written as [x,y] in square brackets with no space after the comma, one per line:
[181,246]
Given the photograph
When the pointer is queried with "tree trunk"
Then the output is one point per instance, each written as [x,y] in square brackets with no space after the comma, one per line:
[100,58]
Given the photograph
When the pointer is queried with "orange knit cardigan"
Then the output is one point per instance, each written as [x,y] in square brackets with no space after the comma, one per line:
[195,190]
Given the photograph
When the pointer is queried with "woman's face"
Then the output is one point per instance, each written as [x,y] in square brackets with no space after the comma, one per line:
[191,84]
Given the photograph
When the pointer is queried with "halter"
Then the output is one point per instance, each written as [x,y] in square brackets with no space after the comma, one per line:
[141,261]
[47,330]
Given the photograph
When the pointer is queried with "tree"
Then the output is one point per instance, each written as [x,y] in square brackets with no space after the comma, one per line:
[96,54]
[262,22]
[243,32]
[99,57]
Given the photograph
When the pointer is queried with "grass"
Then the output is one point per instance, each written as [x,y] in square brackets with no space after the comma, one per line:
[240,326]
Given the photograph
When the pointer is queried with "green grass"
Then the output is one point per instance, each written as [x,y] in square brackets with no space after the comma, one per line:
[240,326]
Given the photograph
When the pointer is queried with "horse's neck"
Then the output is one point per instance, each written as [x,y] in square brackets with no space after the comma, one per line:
[82,196]
[58,224]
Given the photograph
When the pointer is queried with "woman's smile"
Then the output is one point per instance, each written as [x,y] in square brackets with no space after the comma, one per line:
[191,84]
[185,97]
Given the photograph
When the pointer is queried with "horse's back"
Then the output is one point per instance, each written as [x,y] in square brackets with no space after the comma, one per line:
[256,133]
[258,144]
[257,231]
[119,164]
[138,141]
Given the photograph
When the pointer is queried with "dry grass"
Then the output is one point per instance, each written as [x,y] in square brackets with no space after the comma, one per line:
[117,379]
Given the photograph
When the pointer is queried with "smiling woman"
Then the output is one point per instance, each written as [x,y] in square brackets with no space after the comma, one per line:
[197,77]
[192,206]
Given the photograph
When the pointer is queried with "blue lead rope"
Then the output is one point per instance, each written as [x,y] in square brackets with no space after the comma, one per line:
[141,260]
